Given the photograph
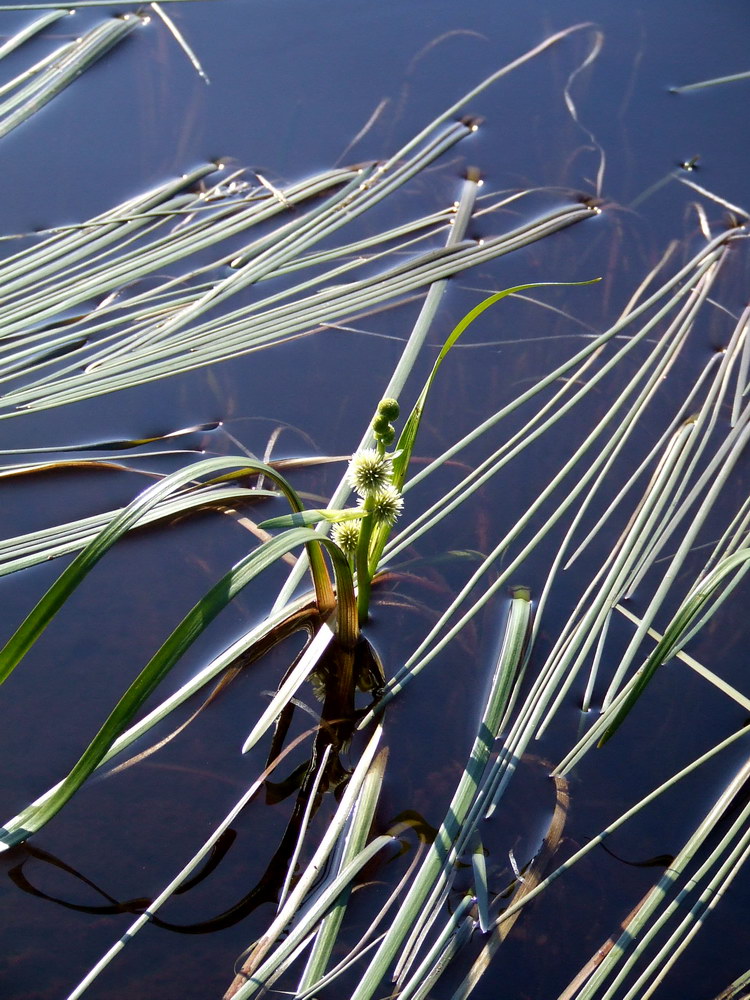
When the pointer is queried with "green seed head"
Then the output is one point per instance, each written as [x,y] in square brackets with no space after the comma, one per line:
[388,408]
[380,424]
[387,435]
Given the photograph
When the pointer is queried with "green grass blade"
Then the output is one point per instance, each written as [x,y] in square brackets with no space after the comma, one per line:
[193,624]
[408,436]
[355,838]
[674,635]
[411,427]
[307,518]
[30,30]
[301,611]
[409,354]
[37,620]
[517,629]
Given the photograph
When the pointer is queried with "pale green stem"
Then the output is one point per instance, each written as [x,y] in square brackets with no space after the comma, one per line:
[405,364]
[364,579]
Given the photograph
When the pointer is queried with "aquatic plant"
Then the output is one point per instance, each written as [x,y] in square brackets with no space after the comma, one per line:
[217,234]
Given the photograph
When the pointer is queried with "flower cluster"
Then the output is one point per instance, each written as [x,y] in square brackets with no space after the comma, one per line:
[371,474]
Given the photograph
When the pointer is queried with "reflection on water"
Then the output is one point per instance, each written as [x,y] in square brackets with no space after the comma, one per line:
[294,92]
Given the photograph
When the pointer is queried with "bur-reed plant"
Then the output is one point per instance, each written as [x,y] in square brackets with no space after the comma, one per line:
[217,235]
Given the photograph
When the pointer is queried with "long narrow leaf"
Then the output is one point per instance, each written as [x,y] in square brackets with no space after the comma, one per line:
[193,624]
[38,619]
[515,650]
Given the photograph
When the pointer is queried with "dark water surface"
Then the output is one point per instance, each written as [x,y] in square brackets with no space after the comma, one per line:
[292,84]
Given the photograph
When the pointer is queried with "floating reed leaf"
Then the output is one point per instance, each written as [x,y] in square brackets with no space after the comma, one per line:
[531,879]
[255,965]
[90,3]
[738,989]
[732,78]
[24,34]
[40,546]
[411,910]
[677,633]
[354,838]
[137,334]
[187,870]
[299,614]
[59,72]
[302,670]
[454,935]
[514,907]
[655,911]
[690,661]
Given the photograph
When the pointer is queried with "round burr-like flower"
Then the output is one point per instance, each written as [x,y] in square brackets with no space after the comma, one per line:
[369,472]
[387,504]
[346,535]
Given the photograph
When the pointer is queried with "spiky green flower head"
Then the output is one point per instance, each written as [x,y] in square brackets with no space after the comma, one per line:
[387,505]
[369,472]
[346,535]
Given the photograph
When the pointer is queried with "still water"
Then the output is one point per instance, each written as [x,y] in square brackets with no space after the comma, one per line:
[297,88]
